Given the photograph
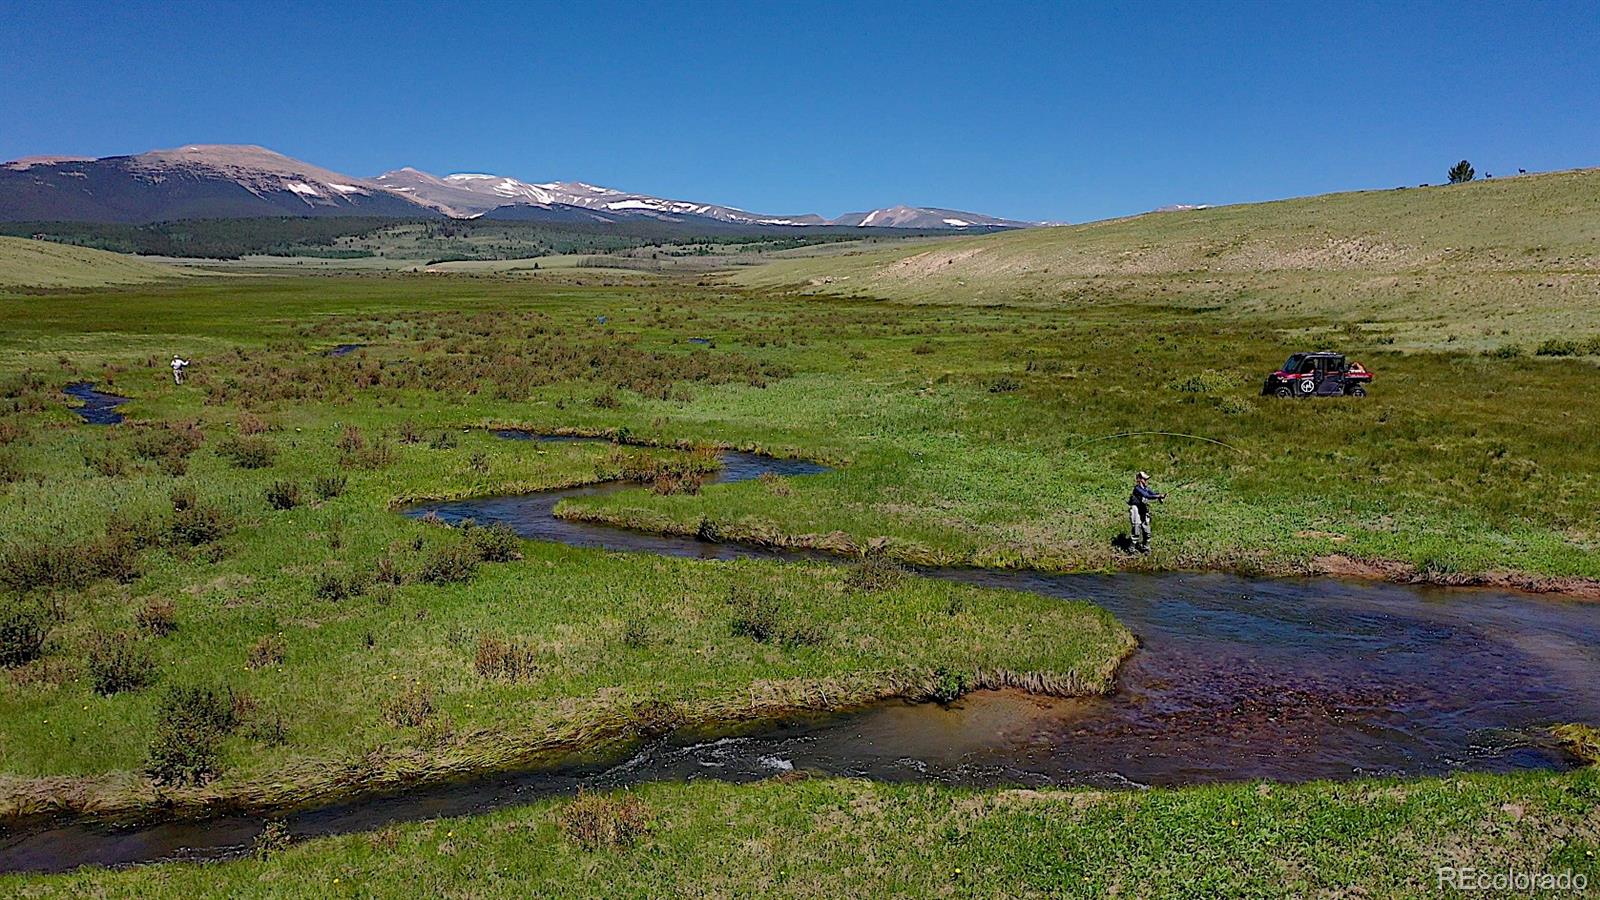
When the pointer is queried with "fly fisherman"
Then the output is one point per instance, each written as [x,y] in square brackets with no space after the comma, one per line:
[1139,510]
[178,365]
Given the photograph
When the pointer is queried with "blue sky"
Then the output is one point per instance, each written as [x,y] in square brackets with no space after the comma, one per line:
[1069,111]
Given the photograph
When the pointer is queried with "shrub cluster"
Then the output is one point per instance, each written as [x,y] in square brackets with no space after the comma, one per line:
[336,584]
[379,454]
[949,685]
[667,485]
[351,440]
[108,462]
[198,524]
[600,821]
[24,625]
[169,444]
[283,494]
[776,484]
[449,565]
[118,662]
[249,451]
[1589,346]
[328,487]
[158,617]
[636,633]
[873,574]
[390,571]
[26,567]
[190,726]
[509,660]
[759,616]
[676,469]
[412,708]
[251,424]
[492,543]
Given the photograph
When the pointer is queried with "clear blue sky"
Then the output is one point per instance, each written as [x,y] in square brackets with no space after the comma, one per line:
[1044,111]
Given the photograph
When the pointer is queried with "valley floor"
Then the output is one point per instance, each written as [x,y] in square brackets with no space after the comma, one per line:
[237,535]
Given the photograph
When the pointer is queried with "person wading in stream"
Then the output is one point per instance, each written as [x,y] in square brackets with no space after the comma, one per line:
[1139,510]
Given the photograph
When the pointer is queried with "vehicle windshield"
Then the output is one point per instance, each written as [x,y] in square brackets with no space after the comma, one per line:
[1293,365]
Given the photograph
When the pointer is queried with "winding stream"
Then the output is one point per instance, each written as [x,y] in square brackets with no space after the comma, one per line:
[1236,678]
[98,408]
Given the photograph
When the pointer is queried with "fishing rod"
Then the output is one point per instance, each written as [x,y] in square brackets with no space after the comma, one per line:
[1123,434]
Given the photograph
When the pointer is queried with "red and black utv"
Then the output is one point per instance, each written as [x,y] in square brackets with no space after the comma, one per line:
[1321,374]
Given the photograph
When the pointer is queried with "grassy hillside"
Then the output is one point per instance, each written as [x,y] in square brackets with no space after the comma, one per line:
[28,263]
[1471,265]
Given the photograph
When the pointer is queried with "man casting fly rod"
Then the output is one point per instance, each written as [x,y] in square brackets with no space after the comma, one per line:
[1139,510]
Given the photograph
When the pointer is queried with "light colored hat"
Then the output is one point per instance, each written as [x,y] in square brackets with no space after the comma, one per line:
[1145,475]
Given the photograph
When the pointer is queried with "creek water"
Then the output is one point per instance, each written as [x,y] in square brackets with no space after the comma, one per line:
[1236,678]
[98,408]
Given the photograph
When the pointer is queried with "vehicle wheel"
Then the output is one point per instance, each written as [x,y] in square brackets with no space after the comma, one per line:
[1283,391]
[1357,390]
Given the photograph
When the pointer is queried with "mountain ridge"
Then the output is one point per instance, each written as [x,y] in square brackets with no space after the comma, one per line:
[468,194]
[247,180]
[189,182]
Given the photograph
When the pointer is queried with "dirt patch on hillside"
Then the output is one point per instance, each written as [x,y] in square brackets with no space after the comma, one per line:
[1239,255]
[931,262]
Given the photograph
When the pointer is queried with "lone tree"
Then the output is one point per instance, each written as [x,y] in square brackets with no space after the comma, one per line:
[1462,171]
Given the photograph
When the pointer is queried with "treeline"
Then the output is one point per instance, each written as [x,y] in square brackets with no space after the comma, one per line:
[209,238]
[358,236]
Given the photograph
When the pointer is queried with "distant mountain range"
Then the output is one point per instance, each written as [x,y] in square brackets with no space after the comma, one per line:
[205,181]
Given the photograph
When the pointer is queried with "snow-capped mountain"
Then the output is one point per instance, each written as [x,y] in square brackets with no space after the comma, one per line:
[925,217]
[243,181]
[473,194]
[192,182]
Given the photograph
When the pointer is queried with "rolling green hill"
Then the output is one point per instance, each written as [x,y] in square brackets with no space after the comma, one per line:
[26,263]
[1468,264]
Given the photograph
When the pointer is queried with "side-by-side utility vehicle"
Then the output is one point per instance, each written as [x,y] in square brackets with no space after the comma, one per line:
[1321,374]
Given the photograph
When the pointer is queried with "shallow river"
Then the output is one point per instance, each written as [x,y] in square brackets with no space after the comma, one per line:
[1236,678]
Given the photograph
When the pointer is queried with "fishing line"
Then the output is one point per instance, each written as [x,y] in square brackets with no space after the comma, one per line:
[1123,434]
